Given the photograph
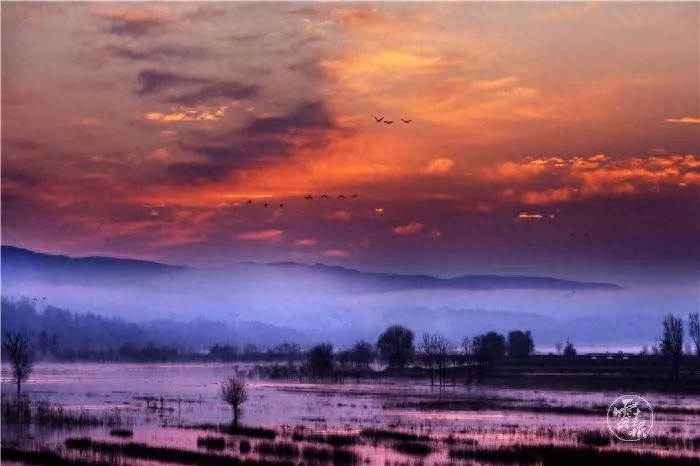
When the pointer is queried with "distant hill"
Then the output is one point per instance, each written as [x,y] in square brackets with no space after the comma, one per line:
[90,331]
[18,264]
[23,263]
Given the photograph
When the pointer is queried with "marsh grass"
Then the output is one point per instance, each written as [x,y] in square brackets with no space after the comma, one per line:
[146,452]
[211,443]
[281,449]
[244,447]
[413,448]
[243,431]
[593,438]
[338,440]
[385,434]
[46,457]
[121,433]
[549,455]
[31,411]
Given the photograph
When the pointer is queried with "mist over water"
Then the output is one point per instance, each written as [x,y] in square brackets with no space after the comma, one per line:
[342,306]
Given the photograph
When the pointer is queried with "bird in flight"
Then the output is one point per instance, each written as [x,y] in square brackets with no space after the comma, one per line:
[324,196]
[379,119]
[342,196]
[354,195]
[406,121]
[308,197]
[388,122]
[265,204]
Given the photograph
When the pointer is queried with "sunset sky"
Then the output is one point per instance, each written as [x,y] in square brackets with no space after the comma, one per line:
[558,139]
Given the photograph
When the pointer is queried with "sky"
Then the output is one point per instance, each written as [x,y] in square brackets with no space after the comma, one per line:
[544,138]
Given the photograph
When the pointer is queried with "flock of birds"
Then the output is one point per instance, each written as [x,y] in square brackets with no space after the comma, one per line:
[389,122]
[308,197]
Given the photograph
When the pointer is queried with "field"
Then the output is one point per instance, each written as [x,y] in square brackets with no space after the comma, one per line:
[171,414]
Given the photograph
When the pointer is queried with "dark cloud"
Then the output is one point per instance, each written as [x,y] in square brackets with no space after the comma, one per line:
[248,38]
[150,81]
[188,173]
[124,23]
[309,115]
[261,142]
[159,53]
[205,90]
[22,145]
[230,90]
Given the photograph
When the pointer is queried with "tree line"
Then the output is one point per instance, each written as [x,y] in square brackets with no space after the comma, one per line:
[396,347]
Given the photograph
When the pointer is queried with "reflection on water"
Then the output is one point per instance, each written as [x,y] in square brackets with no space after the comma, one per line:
[157,398]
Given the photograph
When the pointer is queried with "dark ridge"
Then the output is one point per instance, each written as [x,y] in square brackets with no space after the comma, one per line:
[23,262]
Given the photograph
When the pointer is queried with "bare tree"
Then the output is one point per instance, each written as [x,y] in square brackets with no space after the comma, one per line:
[694,330]
[234,391]
[672,341]
[559,347]
[569,349]
[426,356]
[442,348]
[433,352]
[18,352]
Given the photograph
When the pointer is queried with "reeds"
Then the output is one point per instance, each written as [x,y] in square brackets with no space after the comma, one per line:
[384,434]
[32,411]
[211,443]
[282,449]
[550,455]
[413,448]
[121,433]
[146,452]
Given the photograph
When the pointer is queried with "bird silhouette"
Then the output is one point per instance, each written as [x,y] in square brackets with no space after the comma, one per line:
[308,197]
[281,205]
[250,201]
[388,122]
[265,204]
[406,121]
[324,196]
[354,195]
[379,119]
[341,196]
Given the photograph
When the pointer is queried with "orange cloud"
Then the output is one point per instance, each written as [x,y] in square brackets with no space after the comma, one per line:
[306,242]
[335,253]
[547,196]
[690,120]
[409,229]
[439,166]
[189,114]
[595,175]
[530,216]
[341,215]
[160,153]
[260,235]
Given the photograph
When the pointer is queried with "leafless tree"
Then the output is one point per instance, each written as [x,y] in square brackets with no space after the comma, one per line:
[442,350]
[672,341]
[559,347]
[694,330]
[426,355]
[234,391]
[19,354]
[433,352]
